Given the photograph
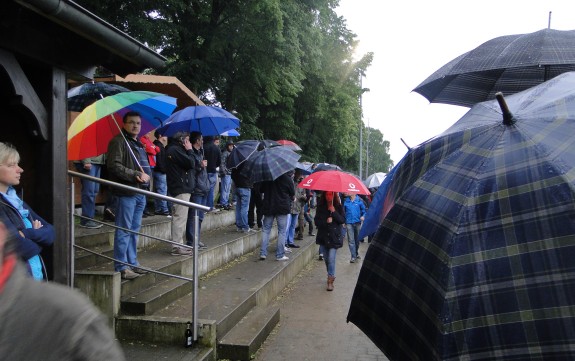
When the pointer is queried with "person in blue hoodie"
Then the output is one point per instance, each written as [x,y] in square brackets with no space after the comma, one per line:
[354,215]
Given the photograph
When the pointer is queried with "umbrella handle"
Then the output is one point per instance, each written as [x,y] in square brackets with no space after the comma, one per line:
[507,116]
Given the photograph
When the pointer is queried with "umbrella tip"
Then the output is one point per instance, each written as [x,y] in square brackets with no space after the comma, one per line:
[507,116]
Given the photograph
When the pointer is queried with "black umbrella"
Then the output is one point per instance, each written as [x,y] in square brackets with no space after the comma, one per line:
[83,95]
[474,258]
[245,148]
[507,64]
[325,166]
[269,163]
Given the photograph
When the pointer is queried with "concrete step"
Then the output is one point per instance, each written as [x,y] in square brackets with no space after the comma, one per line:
[226,296]
[137,351]
[246,337]
[155,298]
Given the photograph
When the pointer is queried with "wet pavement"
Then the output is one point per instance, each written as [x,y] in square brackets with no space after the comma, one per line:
[313,321]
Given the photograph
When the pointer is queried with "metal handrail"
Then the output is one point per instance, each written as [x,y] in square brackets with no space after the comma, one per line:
[195,206]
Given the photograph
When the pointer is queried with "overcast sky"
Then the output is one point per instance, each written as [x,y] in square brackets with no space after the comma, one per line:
[412,39]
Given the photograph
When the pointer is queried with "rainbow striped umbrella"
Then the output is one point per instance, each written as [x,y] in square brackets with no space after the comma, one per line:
[90,132]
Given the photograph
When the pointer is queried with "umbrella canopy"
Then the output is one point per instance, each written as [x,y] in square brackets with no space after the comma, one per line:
[474,259]
[374,180]
[335,181]
[91,131]
[289,144]
[245,148]
[83,95]
[507,64]
[325,166]
[205,119]
[269,163]
[231,133]
[304,167]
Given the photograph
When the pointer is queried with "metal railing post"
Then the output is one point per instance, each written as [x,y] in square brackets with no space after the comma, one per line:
[72,236]
[195,286]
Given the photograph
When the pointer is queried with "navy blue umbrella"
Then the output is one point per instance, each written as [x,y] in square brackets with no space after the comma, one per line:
[474,258]
[205,119]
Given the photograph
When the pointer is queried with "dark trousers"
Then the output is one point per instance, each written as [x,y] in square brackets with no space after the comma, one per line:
[255,209]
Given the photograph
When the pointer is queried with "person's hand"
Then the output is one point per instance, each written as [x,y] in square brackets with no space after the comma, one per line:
[361,218]
[187,144]
[204,163]
[331,208]
[37,224]
[329,219]
[87,166]
[143,178]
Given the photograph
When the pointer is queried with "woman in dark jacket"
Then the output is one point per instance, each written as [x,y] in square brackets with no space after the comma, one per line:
[22,222]
[329,220]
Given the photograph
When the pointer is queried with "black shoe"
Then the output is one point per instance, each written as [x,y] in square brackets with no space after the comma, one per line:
[311,234]
[148,213]
[109,215]
[292,245]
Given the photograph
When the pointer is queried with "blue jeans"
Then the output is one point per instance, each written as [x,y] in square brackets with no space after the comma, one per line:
[128,215]
[212,179]
[352,240]
[267,224]
[160,187]
[198,199]
[225,190]
[89,190]
[242,207]
[329,258]
[292,224]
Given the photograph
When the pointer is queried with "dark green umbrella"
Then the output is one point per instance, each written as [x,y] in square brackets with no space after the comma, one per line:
[475,257]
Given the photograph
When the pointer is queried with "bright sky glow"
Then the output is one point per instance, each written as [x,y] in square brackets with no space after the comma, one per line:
[412,39]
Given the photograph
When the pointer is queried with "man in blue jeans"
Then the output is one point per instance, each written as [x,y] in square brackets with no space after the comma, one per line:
[354,215]
[126,167]
[202,187]
[92,167]
[213,155]
[243,192]
[276,204]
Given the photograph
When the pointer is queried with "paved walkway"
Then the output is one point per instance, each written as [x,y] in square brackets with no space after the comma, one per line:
[313,321]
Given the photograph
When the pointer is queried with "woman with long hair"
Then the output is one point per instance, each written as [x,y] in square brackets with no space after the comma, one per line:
[329,220]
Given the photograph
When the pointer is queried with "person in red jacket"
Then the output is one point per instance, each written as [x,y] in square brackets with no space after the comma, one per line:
[151,151]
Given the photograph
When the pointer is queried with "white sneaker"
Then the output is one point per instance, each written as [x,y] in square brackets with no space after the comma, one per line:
[287,250]
[284,258]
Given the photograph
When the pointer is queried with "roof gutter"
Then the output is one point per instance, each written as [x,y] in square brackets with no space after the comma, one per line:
[84,23]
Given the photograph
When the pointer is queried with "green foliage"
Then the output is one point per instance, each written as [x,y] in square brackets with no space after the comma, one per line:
[285,67]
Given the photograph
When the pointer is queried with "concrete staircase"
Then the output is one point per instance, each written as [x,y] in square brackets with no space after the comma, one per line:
[150,313]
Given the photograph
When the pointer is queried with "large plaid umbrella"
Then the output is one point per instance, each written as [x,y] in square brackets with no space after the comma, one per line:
[269,163]
[475,258]
[507,64]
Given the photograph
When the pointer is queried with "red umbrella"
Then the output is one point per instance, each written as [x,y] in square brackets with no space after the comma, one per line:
[335,181]
[289,144]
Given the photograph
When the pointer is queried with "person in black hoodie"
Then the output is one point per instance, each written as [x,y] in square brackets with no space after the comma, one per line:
[201,189]
[243,185]
[276,204]
[160,182]
[180,169]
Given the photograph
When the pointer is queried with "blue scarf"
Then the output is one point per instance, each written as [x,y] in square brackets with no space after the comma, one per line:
[35,262]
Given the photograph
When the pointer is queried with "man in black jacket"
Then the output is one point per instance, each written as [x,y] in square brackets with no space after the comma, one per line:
[277,198]
[201,189]
[243,192]
[180,166]
[213,155]
[160,182]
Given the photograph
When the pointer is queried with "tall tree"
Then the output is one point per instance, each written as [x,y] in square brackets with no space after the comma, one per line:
[285,66]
